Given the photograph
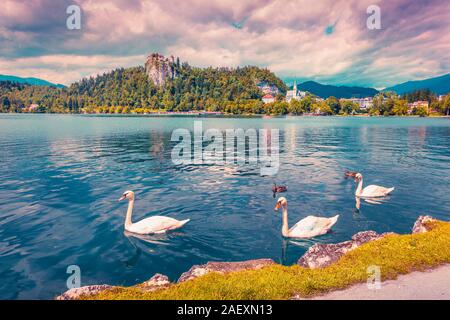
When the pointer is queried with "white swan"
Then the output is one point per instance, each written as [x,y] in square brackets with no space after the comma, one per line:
[155,224]
[308,227]
[371,191]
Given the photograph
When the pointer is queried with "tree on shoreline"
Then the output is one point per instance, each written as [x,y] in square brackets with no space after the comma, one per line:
[400,107]
[232,91]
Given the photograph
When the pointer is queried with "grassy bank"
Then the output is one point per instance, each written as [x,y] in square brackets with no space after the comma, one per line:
[394,254]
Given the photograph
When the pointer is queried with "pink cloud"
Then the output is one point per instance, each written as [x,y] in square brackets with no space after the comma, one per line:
[285,35]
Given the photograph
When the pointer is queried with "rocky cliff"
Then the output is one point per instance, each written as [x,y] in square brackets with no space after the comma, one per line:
[159,69]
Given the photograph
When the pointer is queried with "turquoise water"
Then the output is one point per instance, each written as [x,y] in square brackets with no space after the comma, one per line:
[60,177]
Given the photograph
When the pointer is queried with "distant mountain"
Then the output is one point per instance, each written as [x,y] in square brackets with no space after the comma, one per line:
[30,81]
[325,91]
[438,85]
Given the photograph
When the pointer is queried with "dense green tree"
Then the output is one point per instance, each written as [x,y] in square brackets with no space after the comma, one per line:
[348,107]
[333,103]
[400,107]
[306,104]
[323,107]
[420,111]
[296,107]
[442,106]
[420,95]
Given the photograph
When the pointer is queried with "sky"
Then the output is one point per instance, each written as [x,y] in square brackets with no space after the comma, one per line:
[322,40]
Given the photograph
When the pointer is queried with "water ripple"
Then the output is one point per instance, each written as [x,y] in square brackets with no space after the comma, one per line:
[60,177]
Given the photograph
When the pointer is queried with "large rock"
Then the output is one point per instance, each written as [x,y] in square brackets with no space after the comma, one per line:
[158,281]
[224,267]
[159,69]
[76,293]
[322,255]
[421,225]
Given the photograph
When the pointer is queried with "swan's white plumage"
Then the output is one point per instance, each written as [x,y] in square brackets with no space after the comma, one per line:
[374,191]
[308,227]
[155,224]
[312,226]
[371,191]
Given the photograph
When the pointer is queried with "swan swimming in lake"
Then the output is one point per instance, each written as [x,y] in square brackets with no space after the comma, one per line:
[371,191]
[308,227]
[155,224]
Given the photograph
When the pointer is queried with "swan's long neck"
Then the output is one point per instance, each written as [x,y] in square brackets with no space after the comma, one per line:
[285,227]
[129,213]
[359,188]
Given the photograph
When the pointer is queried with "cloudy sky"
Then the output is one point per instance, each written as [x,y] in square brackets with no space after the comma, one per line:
[322,40]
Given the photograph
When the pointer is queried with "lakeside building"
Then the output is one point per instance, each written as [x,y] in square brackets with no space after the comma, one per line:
[294,93]
[441,97]
[418,104]
[268,98]
[363,103]
[31,108]
[267,88]
[315,113]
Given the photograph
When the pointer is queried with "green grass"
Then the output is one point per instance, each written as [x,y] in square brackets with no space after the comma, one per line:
[394,254]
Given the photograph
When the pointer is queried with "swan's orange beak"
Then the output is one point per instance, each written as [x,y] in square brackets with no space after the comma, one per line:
[278,206]
[122,198]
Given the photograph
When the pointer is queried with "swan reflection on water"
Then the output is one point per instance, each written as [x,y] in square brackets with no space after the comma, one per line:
[146,243]
[301,243]
[374,201]
[152,239]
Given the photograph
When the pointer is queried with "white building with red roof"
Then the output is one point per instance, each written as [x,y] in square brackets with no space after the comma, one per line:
[268,98]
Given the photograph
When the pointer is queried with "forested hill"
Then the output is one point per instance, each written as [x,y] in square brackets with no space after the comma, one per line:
[325,91]
[125,90]
[439,85]
[30,81]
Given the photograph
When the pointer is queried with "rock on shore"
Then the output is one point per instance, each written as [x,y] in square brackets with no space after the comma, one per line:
[420,226]
[317,256]
[322,255]
[224,267]
[158,281]
[75,293]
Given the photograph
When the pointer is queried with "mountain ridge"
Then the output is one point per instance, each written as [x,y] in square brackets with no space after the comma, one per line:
[324,90]
[29,80]
[439,85]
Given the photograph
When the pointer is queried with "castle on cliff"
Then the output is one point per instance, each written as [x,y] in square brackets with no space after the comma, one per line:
[159,69]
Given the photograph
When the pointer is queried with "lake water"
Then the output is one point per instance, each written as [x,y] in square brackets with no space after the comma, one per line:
[61,176]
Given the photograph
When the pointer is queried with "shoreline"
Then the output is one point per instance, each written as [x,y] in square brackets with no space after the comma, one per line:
[323,270]
[255,116]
